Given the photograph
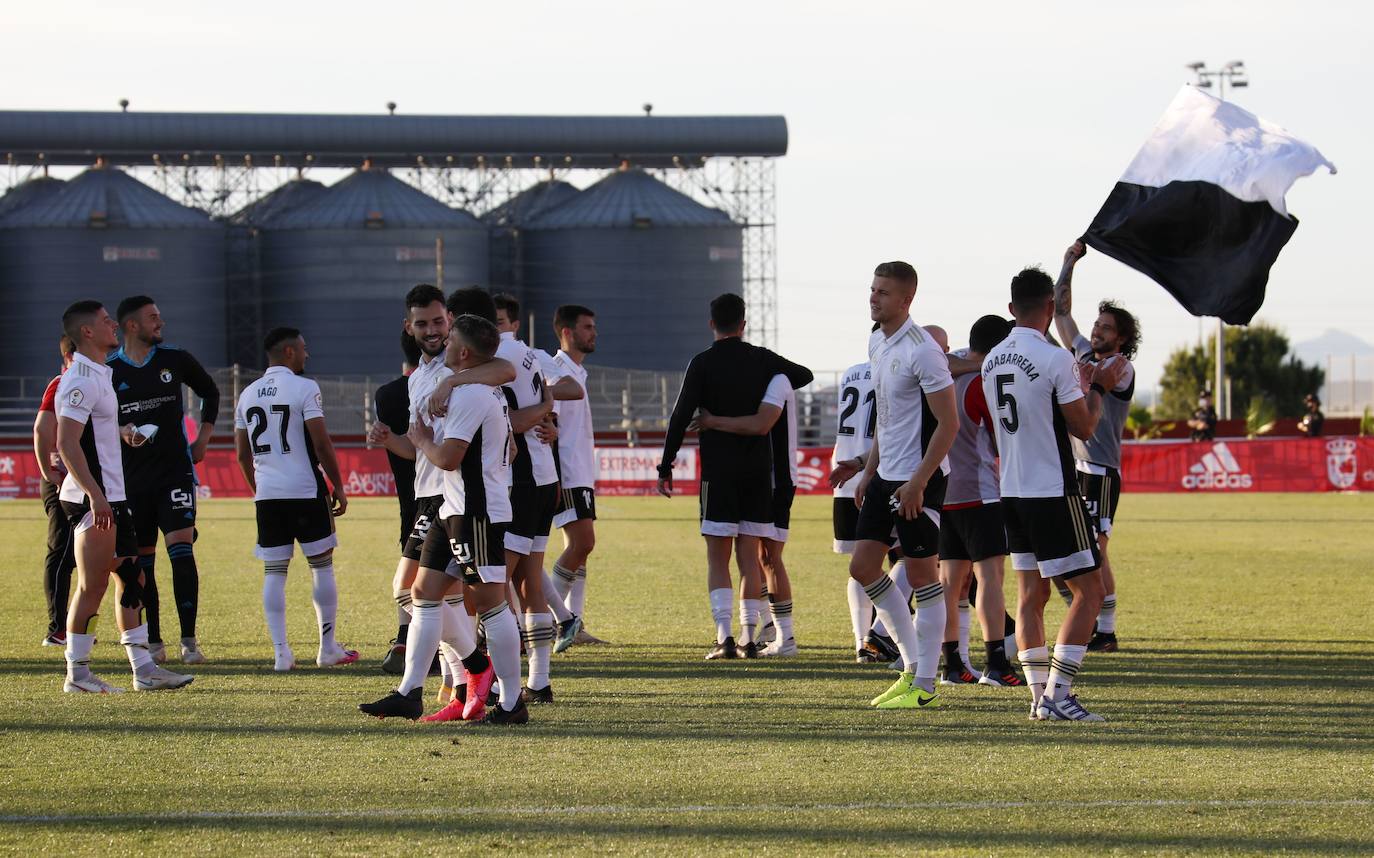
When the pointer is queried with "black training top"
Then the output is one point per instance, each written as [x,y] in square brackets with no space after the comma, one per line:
[729,380]
[150,392]
[393,409]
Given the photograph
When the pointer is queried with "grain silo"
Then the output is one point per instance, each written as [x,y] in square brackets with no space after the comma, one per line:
[105,235]
[28,192]
[506,222]
[339,265]
[646,258]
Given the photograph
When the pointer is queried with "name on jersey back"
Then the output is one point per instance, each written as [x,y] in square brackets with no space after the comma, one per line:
[1020,361]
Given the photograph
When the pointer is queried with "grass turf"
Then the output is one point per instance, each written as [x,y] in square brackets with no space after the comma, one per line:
[1240,717]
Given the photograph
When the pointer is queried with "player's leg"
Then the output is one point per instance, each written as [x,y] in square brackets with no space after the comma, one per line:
[93,549]
[426,629]
[276,543]
[145,506]
[486,572]
[314,530]
[176,519]
[993,618]
[954,577]
[721,594]
[878,643]
[128,582]
[401,582]
[57,567]
[751,592]
[1104,638]
[753,507]
[844,520]
[538,619]
[779,595]
[1033,593]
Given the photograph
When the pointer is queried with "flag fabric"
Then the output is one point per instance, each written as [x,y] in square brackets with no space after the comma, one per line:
[1201,208]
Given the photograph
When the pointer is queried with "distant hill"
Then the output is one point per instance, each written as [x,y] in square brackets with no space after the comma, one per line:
[1338,344]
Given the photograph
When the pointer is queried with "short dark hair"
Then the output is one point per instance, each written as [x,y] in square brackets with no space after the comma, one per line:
[131,305]
[899,271]
[508,302]
[987,332]
[275,337]
[410,348]
[1127,326]
[477,333]
[78,314]
[472,301]
[1029,289]
[422,295]
[567,315]
[66,346]
[727,313]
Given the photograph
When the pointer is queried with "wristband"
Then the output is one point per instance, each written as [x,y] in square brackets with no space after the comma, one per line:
[1101,391]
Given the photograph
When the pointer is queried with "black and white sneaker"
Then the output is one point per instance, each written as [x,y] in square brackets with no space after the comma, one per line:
[537,696]
[724,649]
[1103,642]
[749,650]
[396,705]
[395,661]
[519,715]
[882,646]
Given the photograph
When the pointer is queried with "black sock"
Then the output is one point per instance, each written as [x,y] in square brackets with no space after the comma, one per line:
[150,600]
[997,657]
[477,662]
[1009,628]
[185,586]
[401,633]
[953,663]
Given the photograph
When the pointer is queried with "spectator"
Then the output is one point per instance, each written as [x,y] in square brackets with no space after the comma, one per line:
[1204,419]
[1311,422]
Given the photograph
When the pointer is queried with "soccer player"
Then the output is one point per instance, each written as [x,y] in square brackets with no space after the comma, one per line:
[392,402]
[776,417]
[93,498]
[1037,399]
[903,483]
[59,563]
[730,379]
[472,447]
[973,537]
[159,463]
[282,443]
[1115,334]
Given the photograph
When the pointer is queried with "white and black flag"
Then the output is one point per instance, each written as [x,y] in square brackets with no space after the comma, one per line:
[1200,210]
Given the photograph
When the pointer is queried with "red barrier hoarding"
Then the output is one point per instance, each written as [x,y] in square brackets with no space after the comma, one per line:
[1228,465]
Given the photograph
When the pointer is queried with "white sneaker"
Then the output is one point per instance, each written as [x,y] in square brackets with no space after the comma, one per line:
[781,649]
[160,678]
[159,652]
[190,652]
[767,634]
[91,684]
[1068,709]
[336,657]
[286,661]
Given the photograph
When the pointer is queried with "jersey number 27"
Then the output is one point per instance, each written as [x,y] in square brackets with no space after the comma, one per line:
[258,418]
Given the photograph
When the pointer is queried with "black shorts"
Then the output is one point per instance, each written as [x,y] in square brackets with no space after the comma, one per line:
[167,509]
[1101,492]
[737,506]
[973,533]
[126,535]
[284,522]
[426,513]
[879,521]
[783,495]
[845,517]
[1053,535]
[575,504]
[469,548]
[532,512]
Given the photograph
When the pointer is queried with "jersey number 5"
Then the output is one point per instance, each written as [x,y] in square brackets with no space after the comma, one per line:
[258,417]
[1005,400]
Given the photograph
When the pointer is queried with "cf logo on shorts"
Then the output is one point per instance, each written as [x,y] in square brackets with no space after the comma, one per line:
[894,504]
[422,524]
[587,497]
[462,552]
[182,499]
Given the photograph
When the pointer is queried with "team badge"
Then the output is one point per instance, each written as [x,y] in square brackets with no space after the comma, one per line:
[76,398]
[166,376]
[1341,467]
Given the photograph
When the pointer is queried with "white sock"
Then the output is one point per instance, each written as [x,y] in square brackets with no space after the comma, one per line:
[560,611]
[325,594]
[79,655]
[402,608]
[457,639]
[1063,668]
[860,611]
[878,628]
[892,610]
[965,620]
[577,596]
[1106,617]
[503,646]
[898,575]
[563,583]
[274,604]
[538,648]
[723,612]
[1035,664]
[749,610]
[426,627]
[135,642]
[782,618]
[930,632]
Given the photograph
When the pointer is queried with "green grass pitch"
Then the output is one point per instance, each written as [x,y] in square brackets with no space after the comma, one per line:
[1239,707]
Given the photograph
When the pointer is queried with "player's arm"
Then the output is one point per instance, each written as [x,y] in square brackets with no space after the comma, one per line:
[1081,415]
[45,444]
[398,445]
[244,454]
[944,408]
[493,373]
[69,431]
[446,455]
[524,419]
[1063,295]
[203,385]
[566,388]
[798,375]
[688,401]
[962,366]
[324,451]
[759,423]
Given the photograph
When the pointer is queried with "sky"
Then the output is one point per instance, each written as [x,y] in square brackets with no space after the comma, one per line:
[967,139]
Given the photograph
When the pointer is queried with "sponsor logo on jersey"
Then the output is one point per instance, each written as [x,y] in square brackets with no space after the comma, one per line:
[166,376]
[76,398]
[1218,471]
[1341,467]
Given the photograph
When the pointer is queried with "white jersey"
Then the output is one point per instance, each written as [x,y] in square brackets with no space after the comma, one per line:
[429,480]
[273,411]
[86,394]
[784,434]
[906,366]
[1025,381]
[481,484]
[858,421]
[576,441]
[533,463]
